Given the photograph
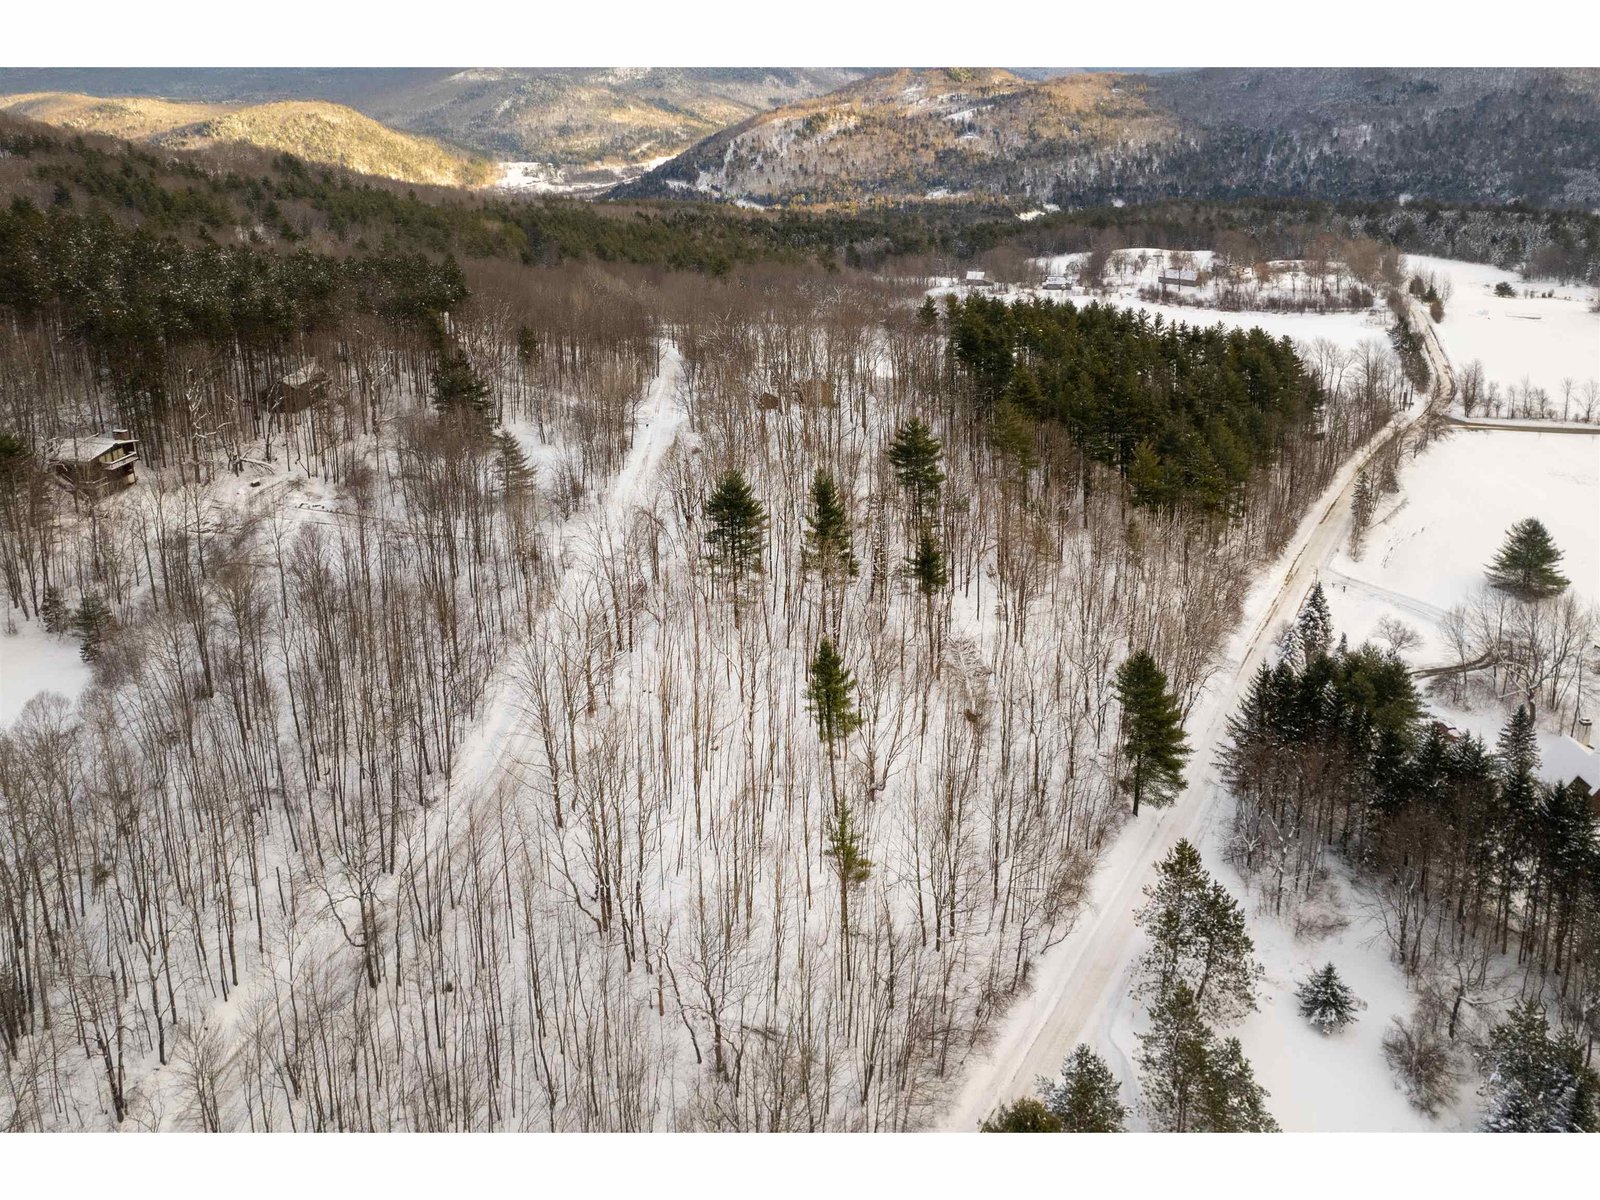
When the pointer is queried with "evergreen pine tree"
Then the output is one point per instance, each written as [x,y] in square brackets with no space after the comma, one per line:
[915,456]
[830,694]
[1197,938]
[1086,1098]
[1526,563]
[827,548]
[91,621]
[516,474]
[1153,746]
[1536,1083]
[737,536]
[458,388]
[926,564]
[1174,1059]
[1026,1115]
[53,610]
[1362,506]
[843,846]
[1230,1099]
[1315,624]
[1326,1001]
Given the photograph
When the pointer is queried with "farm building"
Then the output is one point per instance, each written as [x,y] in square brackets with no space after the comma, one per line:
[101,461]
[978,280]
[1180,277]
[1055,283]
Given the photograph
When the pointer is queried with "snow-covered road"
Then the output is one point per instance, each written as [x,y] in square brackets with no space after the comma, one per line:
[1078,983]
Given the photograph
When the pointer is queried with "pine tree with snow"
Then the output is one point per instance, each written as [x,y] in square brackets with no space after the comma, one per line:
[1362,505]
[830,694]
[1526,563]
[1154,749]
[915,455]
[1086,1098]
[1230,1099]
[1326,1001]
[1198,938]
[1536,1083]
[91,621]
[1315,624]
[1174,1060]
[737,536]
[845,848]
[1026,1115]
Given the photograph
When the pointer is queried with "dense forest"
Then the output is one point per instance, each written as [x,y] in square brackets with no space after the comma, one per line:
[1185,414]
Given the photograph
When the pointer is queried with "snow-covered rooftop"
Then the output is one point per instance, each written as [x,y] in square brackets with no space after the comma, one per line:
[1569,759]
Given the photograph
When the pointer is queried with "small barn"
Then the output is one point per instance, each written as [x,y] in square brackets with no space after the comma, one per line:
[297,391]
[102,462]
[978,281]
[1180,277]
[1055,283]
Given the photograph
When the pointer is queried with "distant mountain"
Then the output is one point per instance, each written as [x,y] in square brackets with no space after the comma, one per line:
[313,130]
[1474,136]
[917,134]
[571,117]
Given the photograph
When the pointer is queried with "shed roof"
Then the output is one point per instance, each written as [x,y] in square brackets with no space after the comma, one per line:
[1569,759]
[83,449]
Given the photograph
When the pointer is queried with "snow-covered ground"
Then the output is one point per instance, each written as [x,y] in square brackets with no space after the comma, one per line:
[1424,553]
[1521,341]
[33,661]
[1130,271]
[1428,545]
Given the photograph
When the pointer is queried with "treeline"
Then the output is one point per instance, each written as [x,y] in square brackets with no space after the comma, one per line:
[1185,413]
[239,193]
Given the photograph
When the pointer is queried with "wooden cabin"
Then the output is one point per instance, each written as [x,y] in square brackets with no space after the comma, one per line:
[1180,277]
[101,462]
[296,391]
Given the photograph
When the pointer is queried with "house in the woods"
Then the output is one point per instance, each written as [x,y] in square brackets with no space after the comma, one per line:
[1055,283]
[814,393]
[297,391]
[1180,277]
[101,462]
[978,281]
[1575,758]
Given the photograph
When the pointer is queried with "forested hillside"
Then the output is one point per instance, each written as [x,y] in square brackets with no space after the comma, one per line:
[318,132]
[574,667]
[569,116]
[1451,135]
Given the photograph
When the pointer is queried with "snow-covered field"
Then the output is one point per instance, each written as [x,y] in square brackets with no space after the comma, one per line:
[1521,341]
[1129,271]
[34,661]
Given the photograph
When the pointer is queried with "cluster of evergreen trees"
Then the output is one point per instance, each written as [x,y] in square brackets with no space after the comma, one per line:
[1331,749]
[1184,413]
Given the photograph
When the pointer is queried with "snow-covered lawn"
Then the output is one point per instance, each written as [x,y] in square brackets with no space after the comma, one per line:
[1522,340]
[33,661]
[1429,544]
